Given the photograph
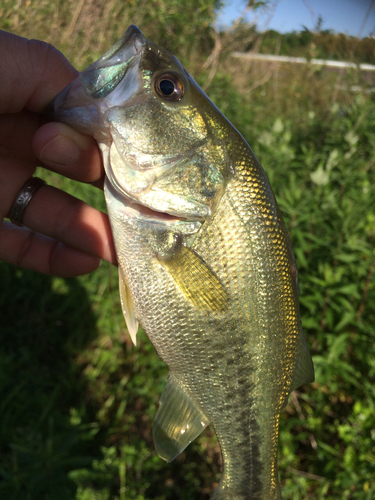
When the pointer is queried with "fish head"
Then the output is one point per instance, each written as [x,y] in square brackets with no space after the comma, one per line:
[164,143]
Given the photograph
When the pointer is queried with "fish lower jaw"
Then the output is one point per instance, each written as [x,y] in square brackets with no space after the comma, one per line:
[134,209]
[148,213]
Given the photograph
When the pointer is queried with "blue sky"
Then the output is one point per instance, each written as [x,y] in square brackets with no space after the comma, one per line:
[342,16]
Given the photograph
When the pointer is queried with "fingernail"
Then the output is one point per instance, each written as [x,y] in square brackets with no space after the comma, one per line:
[60,151]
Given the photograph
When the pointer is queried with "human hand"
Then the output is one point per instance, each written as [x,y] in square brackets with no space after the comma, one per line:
[61,235]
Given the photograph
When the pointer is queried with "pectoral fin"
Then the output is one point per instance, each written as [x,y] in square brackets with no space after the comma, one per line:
[196,280]
[128,307]
[177,423]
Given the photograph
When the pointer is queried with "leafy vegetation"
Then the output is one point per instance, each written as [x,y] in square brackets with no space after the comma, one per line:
[77,399]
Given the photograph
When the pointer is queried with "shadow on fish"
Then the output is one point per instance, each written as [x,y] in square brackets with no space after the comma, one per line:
[205,261]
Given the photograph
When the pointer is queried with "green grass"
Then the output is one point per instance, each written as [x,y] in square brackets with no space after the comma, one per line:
[77,399]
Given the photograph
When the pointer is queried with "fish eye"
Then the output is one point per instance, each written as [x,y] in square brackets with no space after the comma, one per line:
[170,87]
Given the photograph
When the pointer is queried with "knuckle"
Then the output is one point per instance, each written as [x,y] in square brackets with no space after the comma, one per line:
[25,249]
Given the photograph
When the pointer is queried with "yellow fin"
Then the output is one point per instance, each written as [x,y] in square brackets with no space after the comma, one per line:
[304,370]
[177,423]
[196,280]
[128,307]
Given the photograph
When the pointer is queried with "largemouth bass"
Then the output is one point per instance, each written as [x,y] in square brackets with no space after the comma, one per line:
[205,262]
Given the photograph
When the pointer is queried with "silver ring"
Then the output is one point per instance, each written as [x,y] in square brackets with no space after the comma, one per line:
[23,199]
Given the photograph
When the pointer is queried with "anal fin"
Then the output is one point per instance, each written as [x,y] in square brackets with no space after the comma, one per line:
[177,423]
[128,307]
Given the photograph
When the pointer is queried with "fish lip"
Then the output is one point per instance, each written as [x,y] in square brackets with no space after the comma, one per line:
[147,212]
[120,51]
[139,39]
[144,212]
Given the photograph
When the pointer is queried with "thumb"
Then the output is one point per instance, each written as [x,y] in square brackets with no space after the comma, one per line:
[31,73]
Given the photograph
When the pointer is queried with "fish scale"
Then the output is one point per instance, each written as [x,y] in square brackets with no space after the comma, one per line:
[248,312]
[205,261]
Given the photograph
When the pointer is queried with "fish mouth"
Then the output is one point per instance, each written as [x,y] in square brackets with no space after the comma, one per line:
[105,75]
[99,87]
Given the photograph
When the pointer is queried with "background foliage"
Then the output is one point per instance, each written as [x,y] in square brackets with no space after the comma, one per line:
[77,399]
